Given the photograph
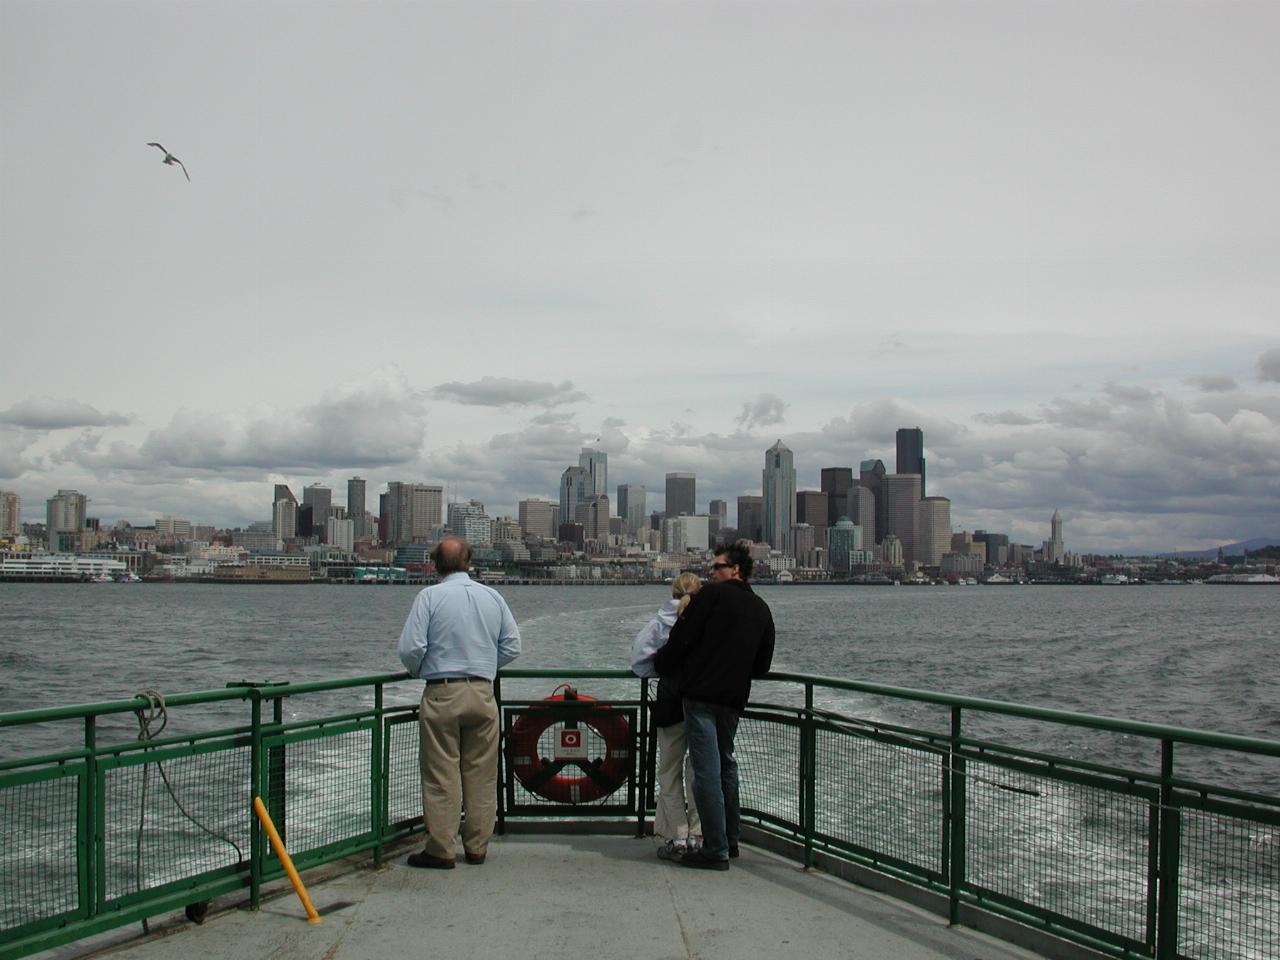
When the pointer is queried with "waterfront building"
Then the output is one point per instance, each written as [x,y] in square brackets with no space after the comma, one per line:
[911,453]
[356,509]
[811,509]
[537,518]
[836,484]
[632,505]
[901,503]
[871,474]
[414,511]
[10,514]
[779,486]
[1054,550]
[844,543]
[751,518]
[997,546]
[964,542]
[681,494]
[891,553]
[961,565]
[595,463]
[933,530]
[574,487]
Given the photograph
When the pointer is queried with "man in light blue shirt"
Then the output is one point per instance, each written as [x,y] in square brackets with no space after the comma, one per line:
[458,634]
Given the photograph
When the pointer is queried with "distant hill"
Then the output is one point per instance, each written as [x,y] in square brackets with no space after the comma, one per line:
[1230,549]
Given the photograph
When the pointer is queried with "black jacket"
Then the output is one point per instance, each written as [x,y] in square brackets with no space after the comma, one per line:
[723,640]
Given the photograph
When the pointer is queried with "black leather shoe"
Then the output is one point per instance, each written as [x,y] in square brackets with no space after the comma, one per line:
[700,861]
[426,861]
[733,851]
[475,859]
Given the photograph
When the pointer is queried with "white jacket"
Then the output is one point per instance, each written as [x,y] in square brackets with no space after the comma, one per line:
[651,638]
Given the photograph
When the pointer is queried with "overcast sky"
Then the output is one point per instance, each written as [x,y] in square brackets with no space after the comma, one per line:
[455,242]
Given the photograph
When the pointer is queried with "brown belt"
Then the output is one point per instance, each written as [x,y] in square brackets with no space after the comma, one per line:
[434,680]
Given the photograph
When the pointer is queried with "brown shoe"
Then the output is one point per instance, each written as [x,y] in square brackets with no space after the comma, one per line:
[426,861]
[475,859]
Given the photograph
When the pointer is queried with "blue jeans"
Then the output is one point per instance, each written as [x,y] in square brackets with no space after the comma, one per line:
[710,729]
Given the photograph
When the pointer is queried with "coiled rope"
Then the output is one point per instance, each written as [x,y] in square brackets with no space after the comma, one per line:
[152,719]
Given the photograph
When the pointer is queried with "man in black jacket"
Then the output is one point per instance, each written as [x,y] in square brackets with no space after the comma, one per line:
[723,639]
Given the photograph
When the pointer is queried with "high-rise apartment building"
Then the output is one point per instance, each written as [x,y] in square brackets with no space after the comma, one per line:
[596,465]
[901,504]
[470,522]
[632,506]
[682,494]
[414,510]
[574,490]
[66,510]
[171,529]
[284,512]
[538,518]
[339,533]
[10,514]
[750,518]
[871,475]
[911,453]
[836,484]
[356,510]
[779,484]
[933,530]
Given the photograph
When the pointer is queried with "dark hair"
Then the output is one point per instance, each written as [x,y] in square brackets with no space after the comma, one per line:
[738,555]
[451,555]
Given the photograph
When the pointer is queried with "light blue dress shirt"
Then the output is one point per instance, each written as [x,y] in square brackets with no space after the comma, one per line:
[458,628]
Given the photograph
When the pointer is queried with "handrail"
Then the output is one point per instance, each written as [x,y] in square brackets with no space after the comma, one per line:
[1188,735]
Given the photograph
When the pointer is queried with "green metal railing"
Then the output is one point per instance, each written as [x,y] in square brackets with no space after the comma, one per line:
[952,794]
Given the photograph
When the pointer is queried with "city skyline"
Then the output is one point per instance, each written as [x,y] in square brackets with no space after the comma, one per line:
[814,222]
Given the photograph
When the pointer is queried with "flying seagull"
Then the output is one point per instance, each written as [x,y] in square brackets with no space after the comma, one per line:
[170,159]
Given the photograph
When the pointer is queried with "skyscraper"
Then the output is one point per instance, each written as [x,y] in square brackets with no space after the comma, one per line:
[845,540]
[574,490]
[414,511]
[681,494]
[66,510]
[320,499]
[871,474]
[836,484]
[356,507]
[750,517]
[933,530]
[596,465]
[911,454]
[811,508]
[779,484]
[860,507]
[901,505]
[284,512]
[632,506]
[10,514]
[1054,550]
[538,518]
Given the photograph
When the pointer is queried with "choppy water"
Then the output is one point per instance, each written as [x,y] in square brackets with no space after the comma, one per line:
[1196,656]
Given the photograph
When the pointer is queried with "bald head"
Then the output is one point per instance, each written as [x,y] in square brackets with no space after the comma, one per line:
[451,555]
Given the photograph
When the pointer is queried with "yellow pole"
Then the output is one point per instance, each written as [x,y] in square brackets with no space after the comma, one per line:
[260,809]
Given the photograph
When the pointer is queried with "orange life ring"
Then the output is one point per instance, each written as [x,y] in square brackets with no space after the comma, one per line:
[598,777]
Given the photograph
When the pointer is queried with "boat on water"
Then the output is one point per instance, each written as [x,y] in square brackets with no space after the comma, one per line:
[107,826]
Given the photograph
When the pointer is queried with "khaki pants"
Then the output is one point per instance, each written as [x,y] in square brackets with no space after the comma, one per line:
[458,757]
[675,816]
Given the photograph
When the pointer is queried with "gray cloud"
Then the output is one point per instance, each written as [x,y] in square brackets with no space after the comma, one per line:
[505,392]
[765,410]
[1073,413]
[1269,366]
[1007,418]
[1213,383]
[49,413]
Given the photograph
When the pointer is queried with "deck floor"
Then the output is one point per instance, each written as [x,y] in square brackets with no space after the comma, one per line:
[560,896]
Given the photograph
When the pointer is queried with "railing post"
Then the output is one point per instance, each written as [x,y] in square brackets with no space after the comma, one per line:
[1170,857]
[255,790]
[808,774]
[645,758]
[954,823]
[90,855]
[277,798]
[378,768]
[500,786]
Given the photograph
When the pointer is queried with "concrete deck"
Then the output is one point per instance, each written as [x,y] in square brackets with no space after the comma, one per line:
[564,896]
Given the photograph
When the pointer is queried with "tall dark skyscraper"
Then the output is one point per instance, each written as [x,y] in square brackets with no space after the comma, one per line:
[911,453]
[681,495]
[750,517]
[836,482]
[871,475]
